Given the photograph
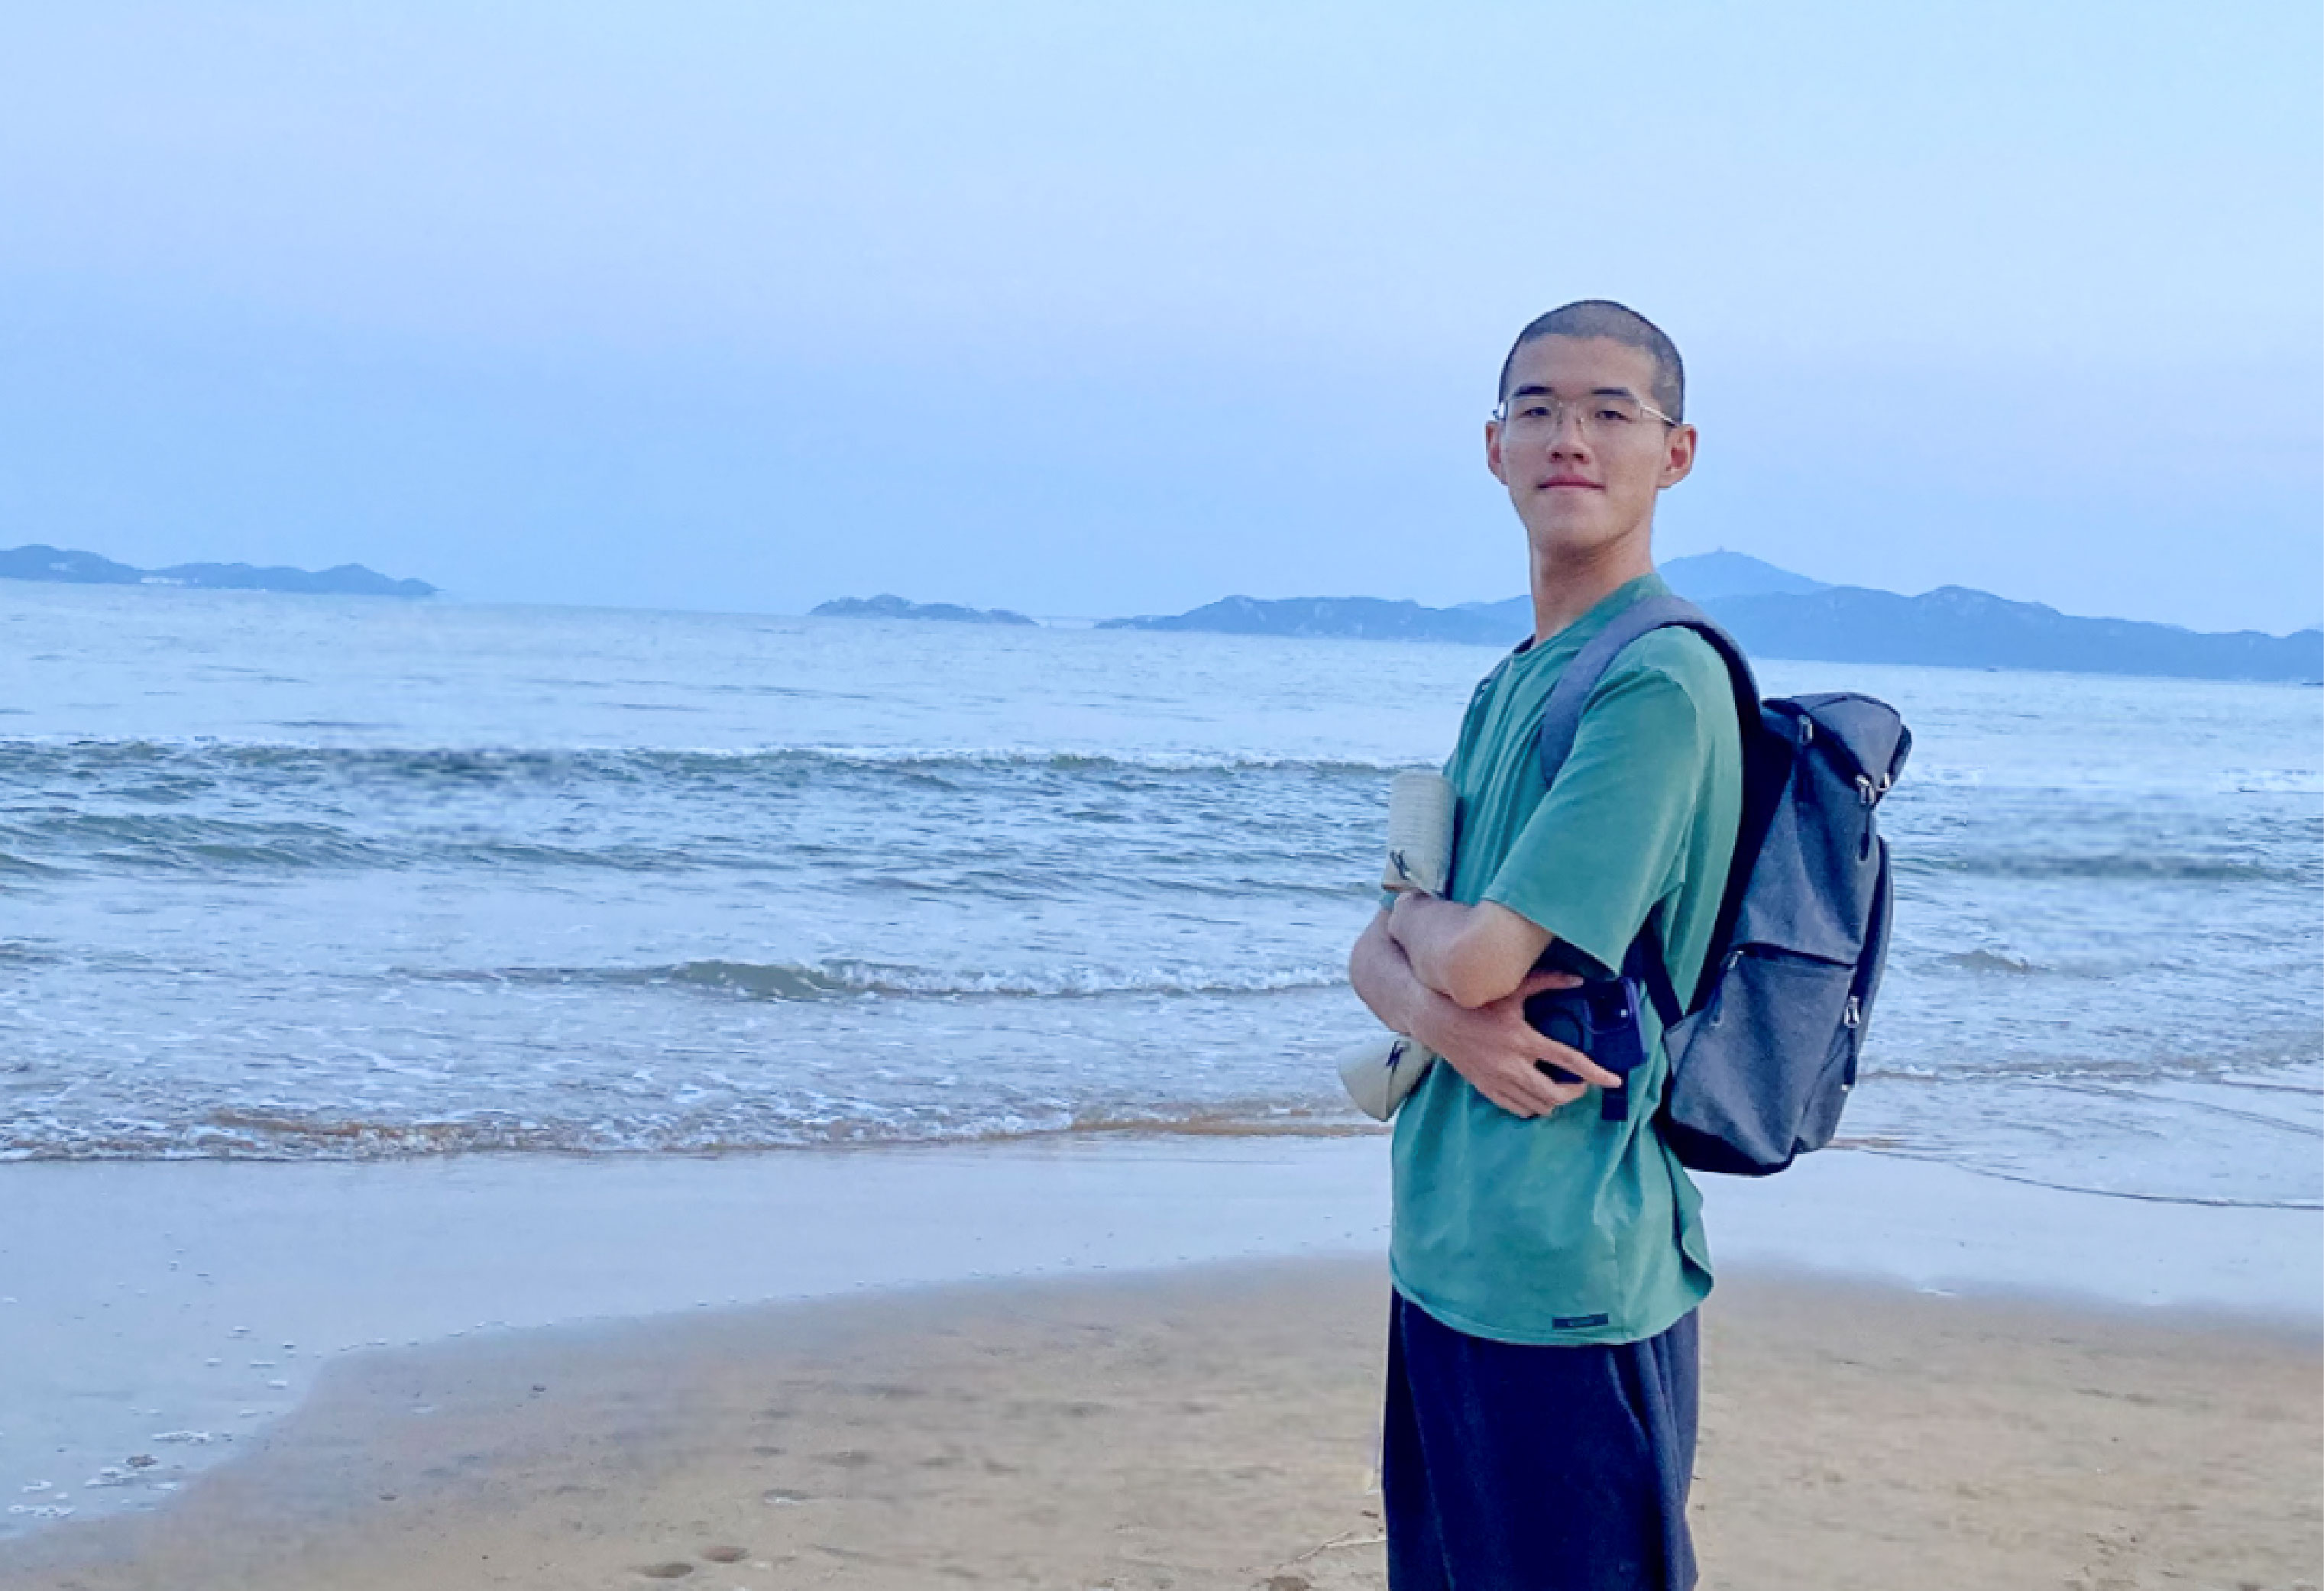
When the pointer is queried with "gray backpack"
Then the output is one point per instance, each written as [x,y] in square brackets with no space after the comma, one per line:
[1763,1058]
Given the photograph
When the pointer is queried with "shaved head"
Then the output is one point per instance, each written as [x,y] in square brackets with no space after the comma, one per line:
[1617,322]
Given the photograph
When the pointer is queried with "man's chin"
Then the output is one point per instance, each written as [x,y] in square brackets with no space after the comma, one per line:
[1568,535]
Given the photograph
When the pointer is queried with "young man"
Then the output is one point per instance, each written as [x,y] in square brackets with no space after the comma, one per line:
[1548,1255]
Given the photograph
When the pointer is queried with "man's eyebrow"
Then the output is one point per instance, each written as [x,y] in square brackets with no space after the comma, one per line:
[1534,390]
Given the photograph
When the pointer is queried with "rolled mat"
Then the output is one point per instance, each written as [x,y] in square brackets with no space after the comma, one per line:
[1419,833]
[1380,1073]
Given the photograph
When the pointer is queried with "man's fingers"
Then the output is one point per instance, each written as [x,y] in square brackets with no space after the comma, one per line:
[1556,1095]
[1499,1082]
[1510,1100]
[1543,1092]
[1527,1097]
[1541,982]
[1518,1084]
[1544,1048]
[1520,1090]
[1578,1063]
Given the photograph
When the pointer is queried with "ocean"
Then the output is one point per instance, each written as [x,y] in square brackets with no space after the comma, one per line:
[288,877]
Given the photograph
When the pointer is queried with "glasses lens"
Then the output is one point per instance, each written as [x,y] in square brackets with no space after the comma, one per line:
[1600,415]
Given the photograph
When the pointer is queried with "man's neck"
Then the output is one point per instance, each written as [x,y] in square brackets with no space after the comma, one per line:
[1565,588]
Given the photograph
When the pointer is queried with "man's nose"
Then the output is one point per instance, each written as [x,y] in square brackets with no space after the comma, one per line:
[1568,437]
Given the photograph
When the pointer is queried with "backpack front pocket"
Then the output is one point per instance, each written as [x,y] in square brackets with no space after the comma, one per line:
[1764,1067]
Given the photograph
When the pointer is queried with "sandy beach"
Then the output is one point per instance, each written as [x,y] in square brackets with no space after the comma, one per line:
[1216,1427]
[1123,1362]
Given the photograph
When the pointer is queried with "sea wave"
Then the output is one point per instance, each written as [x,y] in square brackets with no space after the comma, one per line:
[973,845]
[2270,781]
[2142,866]
[146,806]
[31,758]
[260,1132]
[182,842]
[1986,961]
[856,980]
[2290,1062]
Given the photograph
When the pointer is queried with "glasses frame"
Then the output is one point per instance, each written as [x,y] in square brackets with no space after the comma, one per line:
[1559,408]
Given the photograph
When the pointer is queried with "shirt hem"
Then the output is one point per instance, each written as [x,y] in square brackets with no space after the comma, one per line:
[1541,1337]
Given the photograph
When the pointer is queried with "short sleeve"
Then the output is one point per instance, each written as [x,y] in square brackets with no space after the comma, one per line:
[1608,839]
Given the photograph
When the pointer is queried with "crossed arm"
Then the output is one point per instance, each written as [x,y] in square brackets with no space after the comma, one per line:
[1456,978]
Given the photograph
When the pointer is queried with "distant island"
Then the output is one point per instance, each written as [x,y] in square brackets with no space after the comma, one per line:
[896,607]
[1704,577]
[86,568]
[1777,613]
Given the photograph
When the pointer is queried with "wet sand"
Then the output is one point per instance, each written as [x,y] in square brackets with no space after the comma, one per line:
[1216,1427]
[169,1310]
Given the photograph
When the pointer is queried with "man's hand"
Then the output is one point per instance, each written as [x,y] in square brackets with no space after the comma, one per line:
[1496,1048]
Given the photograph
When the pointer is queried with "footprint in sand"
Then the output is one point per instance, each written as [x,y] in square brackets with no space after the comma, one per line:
[677,1570]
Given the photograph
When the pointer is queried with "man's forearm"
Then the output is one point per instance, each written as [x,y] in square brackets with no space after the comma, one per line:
[1385,981]
[1471,955]
[1429,933]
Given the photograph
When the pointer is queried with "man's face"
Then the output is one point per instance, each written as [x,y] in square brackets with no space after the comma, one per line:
[1582,476]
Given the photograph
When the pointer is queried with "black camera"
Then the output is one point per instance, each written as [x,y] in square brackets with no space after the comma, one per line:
[1600,1019]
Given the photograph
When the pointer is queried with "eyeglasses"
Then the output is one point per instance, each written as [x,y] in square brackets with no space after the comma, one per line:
[1602,416]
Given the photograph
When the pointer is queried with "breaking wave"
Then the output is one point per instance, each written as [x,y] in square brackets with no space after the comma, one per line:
[844,980]
[33,759]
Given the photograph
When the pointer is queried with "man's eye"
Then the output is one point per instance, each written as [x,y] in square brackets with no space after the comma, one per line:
[1534,411]
[1620,416]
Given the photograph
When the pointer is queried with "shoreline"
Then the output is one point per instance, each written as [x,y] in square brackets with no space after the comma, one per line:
[186,1308]
[1216,1425]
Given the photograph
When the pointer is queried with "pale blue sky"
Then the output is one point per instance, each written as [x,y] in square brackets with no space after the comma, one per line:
[1093,310]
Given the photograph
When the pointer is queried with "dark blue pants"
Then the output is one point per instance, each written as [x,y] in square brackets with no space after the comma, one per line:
[1512,1467]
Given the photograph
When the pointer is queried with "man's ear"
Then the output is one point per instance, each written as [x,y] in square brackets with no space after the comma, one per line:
[1678,455]
[1493,451]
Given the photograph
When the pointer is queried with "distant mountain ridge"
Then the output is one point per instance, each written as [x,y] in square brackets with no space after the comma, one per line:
[1702,577]
[896,607]
[1705,577]
[1777,613]
[65,565]
[1956,627]
[1348,618]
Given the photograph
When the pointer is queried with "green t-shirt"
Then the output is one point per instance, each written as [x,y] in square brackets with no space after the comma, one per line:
[1571,1228]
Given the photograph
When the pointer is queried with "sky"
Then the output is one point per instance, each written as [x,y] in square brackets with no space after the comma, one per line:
[1094,311]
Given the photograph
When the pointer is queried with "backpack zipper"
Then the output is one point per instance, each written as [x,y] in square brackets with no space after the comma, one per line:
[1718,989]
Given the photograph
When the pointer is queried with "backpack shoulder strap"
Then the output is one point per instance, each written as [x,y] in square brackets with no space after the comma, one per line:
[1560,722]
[1560,715]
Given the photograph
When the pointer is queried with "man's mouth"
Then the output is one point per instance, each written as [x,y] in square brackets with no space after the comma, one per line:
[1554,481]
